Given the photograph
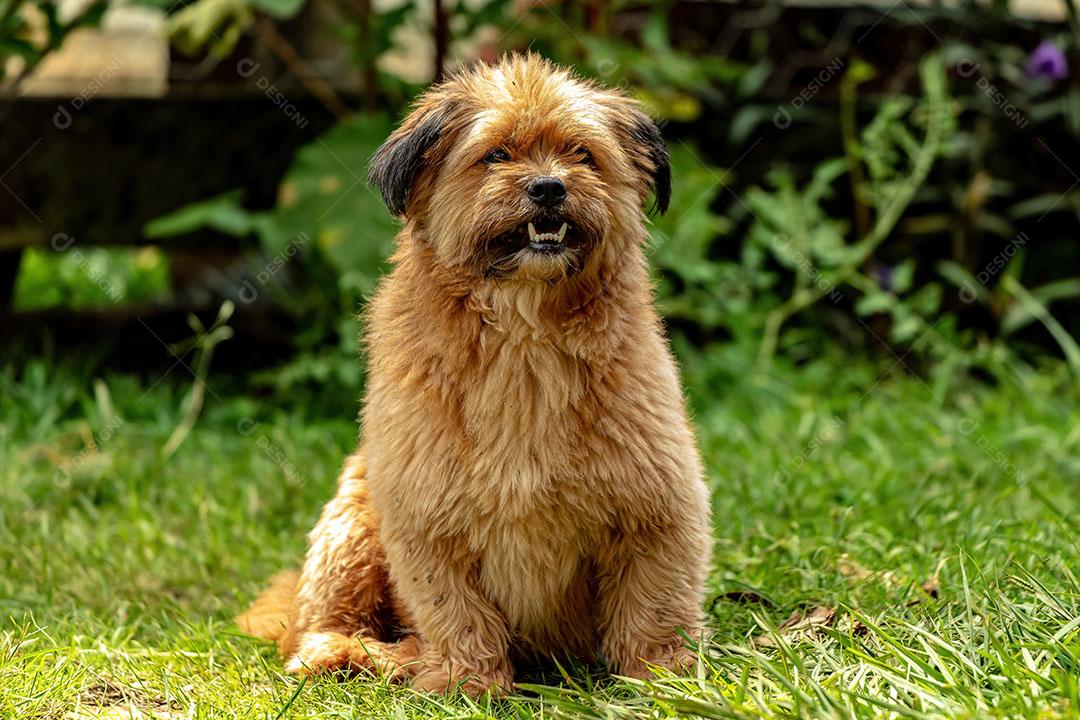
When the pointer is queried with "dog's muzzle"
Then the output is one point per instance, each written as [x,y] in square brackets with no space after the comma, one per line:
[551,236]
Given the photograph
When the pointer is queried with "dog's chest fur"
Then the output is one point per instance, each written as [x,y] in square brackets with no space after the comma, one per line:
[521,415]
[524,416]
[531,453]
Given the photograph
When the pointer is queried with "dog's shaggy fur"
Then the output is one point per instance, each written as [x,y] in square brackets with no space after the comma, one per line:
[528,482]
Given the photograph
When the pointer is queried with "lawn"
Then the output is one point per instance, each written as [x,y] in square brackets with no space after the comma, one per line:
[885,547]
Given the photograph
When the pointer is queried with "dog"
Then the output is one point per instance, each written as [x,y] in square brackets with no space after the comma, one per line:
[528,483]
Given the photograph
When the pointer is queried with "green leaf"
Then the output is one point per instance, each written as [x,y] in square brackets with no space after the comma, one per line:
[1040,205]
[216,24]
[874,303]
[756,75]
[906,326]
[683,241]
[327,198]
[15,46]
[970,288]
[654,34]
[902,276]
[1017,315]
[927,300]
[223,213]
[281,9]
[474,15]
[1069,347]
[1014,266]
[746,119]
[1057,290]
[859,72]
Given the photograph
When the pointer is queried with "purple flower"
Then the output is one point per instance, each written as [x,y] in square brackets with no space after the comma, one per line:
[1047,61]
[884,276]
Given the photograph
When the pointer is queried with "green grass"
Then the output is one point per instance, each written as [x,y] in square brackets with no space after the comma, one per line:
[837,486]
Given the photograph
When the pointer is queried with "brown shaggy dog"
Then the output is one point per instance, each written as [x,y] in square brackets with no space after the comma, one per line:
[528,482]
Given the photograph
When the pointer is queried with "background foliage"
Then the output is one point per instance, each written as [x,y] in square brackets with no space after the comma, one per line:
[826,193]
[895,225]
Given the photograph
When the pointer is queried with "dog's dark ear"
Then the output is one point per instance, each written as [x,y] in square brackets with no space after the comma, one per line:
[395,167]
[657,165]
[644,146]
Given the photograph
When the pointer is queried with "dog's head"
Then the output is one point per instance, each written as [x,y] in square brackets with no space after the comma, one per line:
[520,170]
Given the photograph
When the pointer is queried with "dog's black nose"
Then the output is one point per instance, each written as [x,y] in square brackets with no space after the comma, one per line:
[546,191]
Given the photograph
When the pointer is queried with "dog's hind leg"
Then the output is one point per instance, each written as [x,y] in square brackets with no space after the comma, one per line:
[342,614]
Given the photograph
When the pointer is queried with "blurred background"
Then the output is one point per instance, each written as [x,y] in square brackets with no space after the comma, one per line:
[870,273]
[874,179]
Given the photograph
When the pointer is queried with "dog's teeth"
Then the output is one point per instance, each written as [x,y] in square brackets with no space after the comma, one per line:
[551,237]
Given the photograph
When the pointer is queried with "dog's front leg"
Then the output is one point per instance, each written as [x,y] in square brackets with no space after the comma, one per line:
[465,636]
[651,591]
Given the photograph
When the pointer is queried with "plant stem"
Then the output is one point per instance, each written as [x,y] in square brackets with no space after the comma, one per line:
[1038,310]
[441,33]
[886,221]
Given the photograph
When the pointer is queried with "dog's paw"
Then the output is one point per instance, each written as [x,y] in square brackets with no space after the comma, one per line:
[441,676]
[679,659]
[322,652]
[319,652]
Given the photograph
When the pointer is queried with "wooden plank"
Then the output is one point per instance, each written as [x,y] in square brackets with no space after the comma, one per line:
[137,338]
[120,163]
[126,56]
[21,237]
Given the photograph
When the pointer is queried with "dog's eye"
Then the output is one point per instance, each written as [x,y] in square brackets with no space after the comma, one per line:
[497,155]
[584,156]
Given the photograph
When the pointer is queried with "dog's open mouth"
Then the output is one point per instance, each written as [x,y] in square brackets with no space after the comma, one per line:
[550,241]
[547,237]
[541,235]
